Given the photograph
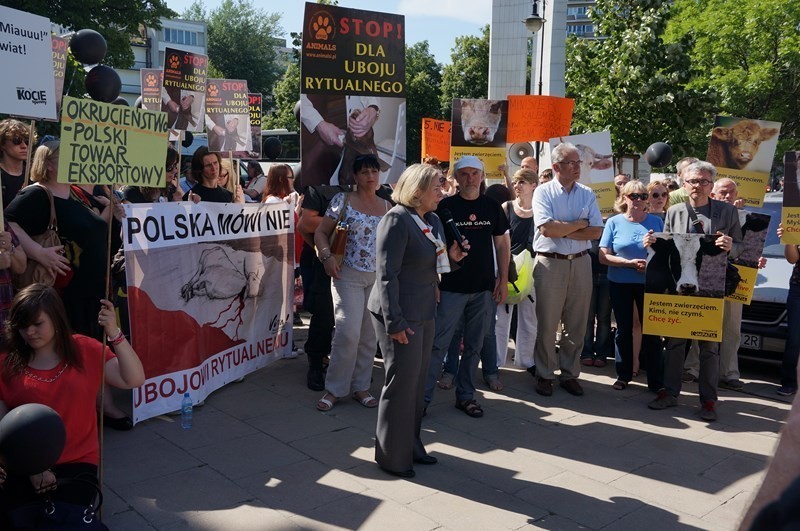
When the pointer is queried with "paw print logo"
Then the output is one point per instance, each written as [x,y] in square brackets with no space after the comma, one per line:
[213,90]
[174,61]
[322,26]
[151,80]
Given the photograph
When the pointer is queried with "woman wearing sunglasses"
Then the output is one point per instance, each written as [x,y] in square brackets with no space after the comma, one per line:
[13,154]
[658,199]
[621,249]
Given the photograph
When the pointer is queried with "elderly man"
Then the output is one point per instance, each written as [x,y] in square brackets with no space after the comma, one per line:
[703,215]
[680,195]
[567,218]
[470,294]
[529,163]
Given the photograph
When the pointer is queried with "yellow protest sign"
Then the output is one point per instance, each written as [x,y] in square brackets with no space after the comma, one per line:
[111,144]
[683,317]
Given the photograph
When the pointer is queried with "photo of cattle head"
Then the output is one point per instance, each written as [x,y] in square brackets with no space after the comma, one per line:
[595,153]
[685,264]
[479,123]
[743,144]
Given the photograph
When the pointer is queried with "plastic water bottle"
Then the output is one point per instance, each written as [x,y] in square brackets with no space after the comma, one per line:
[186,412]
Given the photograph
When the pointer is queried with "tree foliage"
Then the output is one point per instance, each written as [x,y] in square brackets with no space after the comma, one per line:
[633,83]
[423,94]
[468,74]
[239,42]
[748,57]
[286,95]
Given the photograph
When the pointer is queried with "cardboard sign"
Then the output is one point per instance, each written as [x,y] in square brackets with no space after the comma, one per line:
[152,80]
[436,138]
[538,118]
[597,167]
[60,46]
[227,115]
[103,143]
[184,89]
[255,101]
[27,86]
[790,213]
[754,233]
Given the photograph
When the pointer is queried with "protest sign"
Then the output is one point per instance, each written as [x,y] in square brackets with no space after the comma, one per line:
[60,47]
[102,143]
[210,295]
[255,125]
[742,150]
[790,213]
[684,287]
[352,93]
[479,129]
[152,80]
[743,272]
[27,87]
[538,118]
[184,89]
[436,138]
[227,115]
[597,167]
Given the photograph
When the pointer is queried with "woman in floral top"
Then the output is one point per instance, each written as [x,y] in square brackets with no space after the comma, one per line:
[353,346]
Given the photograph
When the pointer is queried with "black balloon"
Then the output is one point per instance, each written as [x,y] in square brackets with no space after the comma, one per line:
[121,101]
[188,138]
[138,103]
[32,437]
[88,47]
[658,154]
[272,147]
[103,84]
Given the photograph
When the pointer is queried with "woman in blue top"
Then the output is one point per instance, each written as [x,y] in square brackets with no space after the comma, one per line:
[622,250]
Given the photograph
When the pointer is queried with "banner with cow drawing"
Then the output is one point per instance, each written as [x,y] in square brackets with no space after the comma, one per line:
[741,275]
[597,167]
[478,128]
[790,213]
[210,295]
[742,150]
[684,287]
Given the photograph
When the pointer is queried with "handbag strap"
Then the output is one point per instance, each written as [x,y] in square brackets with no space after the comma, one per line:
[344,207]
[697,225]
[53,221]
[97,500]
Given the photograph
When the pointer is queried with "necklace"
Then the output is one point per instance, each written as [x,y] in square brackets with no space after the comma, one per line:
[519,206]
[29,374]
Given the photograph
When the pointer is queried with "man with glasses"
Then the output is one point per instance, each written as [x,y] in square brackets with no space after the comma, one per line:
[702,215]
[13,154]
[566,218]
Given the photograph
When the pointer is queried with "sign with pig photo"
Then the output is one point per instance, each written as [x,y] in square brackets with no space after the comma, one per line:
[597,166]
[479,129]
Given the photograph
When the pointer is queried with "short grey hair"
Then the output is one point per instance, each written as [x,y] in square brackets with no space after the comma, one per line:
[560,151]
[700,166]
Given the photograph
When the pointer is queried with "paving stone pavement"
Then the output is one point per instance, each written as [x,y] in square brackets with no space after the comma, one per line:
[261,457]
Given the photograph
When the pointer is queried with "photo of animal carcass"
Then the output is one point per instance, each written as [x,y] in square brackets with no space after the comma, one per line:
[754,234]
[482,123]
[685,264]
[743,144]
[595,152]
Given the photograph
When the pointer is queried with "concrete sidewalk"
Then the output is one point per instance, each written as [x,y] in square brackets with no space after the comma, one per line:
[260,456]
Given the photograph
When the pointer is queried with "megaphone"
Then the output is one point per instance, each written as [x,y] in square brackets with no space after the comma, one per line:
[519,151]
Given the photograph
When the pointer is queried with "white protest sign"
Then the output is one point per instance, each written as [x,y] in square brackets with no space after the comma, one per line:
[27,86]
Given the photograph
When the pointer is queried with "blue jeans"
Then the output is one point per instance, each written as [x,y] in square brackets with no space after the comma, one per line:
[476,310]
[623,295]
[488,352]
[792,349]
[598,345]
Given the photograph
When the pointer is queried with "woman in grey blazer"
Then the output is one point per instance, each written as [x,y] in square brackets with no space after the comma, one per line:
[410,255]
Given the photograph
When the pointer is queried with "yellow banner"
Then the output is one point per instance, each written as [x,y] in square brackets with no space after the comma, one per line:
[683,317]
[103,143]
[790,218]
[752,185]
[492,158]
[606,194]
[744,290]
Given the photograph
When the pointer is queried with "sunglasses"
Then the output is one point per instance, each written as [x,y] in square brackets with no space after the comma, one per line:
[656,195]
[638,197]
[17,140]
[368,156]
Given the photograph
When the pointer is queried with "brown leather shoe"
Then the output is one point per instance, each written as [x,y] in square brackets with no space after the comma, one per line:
[544,387]
[572,387]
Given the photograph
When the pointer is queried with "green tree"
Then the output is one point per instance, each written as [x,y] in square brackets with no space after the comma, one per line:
[423,95]
[241,42]
[633,83]
[468,74]
[748,57]
[285,96]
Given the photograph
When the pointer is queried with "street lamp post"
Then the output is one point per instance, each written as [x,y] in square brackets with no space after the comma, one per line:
[534,23]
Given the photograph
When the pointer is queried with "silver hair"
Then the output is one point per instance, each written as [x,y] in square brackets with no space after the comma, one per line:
[700,166]
[560,151]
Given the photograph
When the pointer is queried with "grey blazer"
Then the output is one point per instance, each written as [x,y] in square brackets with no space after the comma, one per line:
[724,218]
[405,275]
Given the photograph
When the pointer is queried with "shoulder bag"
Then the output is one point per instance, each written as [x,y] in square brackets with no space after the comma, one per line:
[338,237]
[36,272]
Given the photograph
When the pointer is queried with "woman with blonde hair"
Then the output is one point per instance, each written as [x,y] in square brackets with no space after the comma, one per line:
[228,177]
[658,198]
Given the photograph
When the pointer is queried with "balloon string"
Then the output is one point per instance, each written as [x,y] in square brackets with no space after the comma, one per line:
[72,78]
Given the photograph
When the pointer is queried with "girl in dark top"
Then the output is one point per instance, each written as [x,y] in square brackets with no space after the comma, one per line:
[172,191]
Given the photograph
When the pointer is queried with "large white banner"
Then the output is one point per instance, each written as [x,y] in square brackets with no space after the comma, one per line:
[210,295]
[27,86]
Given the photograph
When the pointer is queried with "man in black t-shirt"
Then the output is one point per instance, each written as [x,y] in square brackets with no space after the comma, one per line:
[471,292]
[13,154]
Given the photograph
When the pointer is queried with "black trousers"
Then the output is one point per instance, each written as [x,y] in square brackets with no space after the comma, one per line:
[320,328]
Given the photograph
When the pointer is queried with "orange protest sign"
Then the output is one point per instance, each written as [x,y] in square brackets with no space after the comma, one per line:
[538,118]
[436,138]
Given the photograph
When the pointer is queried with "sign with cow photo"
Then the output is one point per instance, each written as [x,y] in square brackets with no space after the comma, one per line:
[597,168]
[742,150]
[684,287]
[743,270]
[790,213]
[479,128]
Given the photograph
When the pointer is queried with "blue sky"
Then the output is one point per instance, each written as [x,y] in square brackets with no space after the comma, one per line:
[437,21]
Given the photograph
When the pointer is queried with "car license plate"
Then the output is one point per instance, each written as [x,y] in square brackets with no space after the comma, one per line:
[750,341]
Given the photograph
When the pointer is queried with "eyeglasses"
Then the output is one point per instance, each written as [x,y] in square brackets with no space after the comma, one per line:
[224,175]
[638,197]
[656,195]
[699,182]
[17,140]
[570,162]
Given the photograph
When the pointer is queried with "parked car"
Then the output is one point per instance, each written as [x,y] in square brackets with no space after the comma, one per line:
[764,324]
